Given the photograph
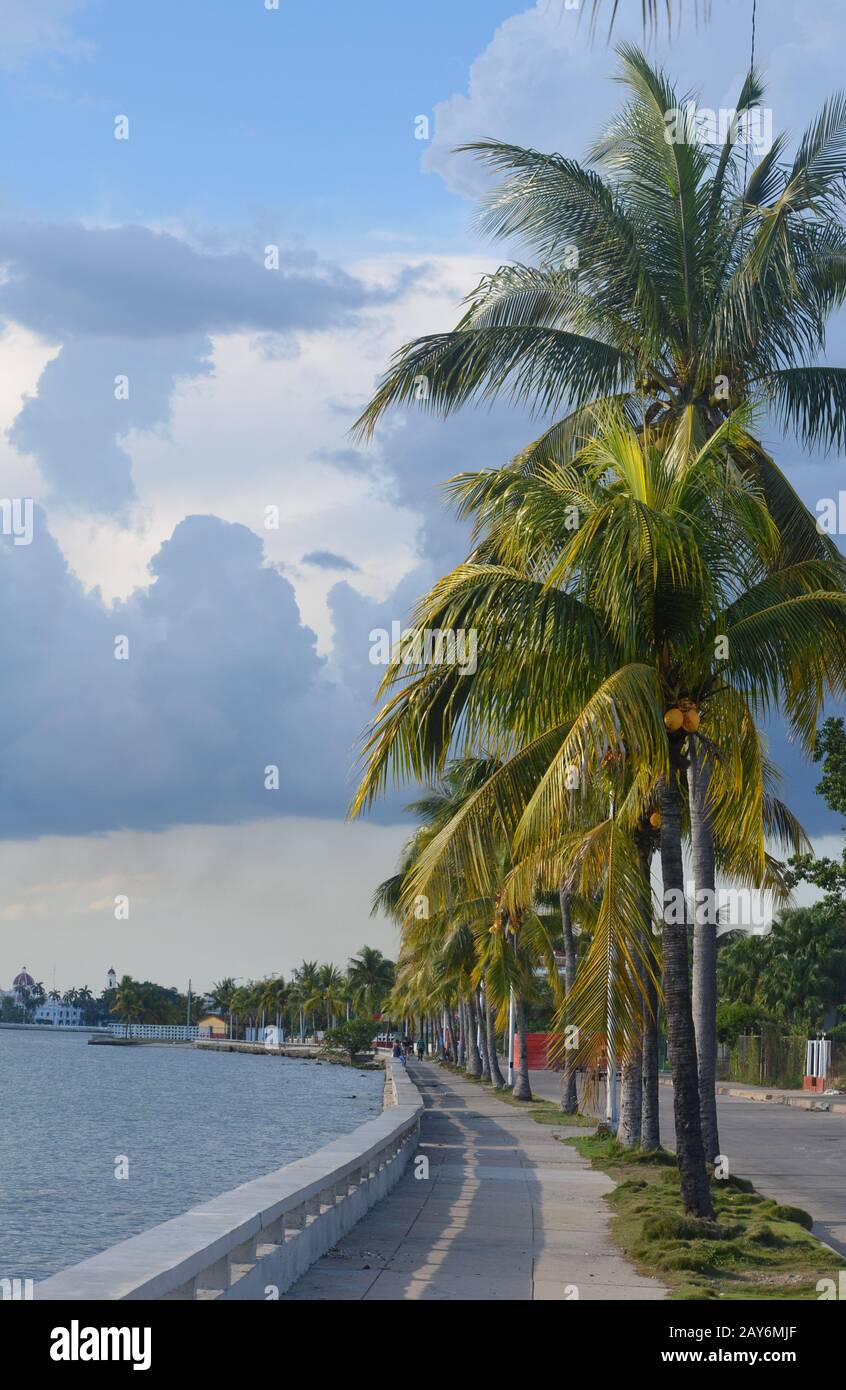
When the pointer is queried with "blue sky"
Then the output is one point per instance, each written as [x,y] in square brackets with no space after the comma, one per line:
[249,643]
[304,114]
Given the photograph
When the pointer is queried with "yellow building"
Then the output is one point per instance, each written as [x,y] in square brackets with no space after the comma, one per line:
[213,1025]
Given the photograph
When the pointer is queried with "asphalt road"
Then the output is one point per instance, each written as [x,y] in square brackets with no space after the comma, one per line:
[795,1156]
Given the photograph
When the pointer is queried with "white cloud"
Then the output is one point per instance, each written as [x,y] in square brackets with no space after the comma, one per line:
[261,431]
[543,82]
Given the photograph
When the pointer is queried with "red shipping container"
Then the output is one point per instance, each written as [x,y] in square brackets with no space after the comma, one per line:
[537,1045]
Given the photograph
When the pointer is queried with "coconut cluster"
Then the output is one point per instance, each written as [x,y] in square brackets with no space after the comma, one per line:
[683,715]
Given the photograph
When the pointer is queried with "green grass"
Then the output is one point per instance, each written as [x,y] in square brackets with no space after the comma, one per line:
[754,1250]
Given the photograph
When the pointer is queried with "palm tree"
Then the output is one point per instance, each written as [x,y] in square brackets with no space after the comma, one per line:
[650,11]
[371,978]
[628,605]
[698,288]
[327,993]
[128,1003]
[221,995]
[466,937]
[306,981]
[803,967]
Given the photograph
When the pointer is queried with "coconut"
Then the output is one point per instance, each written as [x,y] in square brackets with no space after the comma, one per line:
[691,721]
[673,719]
[655,820]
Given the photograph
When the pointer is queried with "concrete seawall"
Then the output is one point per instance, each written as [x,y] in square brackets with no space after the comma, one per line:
[256,1240]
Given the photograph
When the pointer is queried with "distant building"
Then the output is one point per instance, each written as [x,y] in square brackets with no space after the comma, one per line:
[22,981]
[21,985]
[60,1015]
[111,978]
[212,1025]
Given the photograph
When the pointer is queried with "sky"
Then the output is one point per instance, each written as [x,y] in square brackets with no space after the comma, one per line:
[191,318]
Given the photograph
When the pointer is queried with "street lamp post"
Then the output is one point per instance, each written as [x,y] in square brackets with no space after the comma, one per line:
[511,1016]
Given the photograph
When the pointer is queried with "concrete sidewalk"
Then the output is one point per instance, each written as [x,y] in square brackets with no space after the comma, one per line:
[506,1212]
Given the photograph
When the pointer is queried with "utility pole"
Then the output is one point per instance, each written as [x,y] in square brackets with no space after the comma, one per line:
[188,1020]
[511,1037]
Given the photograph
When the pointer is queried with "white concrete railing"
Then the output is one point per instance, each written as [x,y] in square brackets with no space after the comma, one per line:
[256,1240]
[167,1032]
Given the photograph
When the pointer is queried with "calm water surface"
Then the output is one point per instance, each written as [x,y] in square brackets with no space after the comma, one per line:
[191,1124]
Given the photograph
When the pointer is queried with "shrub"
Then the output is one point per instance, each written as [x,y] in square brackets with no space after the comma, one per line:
[354,1036]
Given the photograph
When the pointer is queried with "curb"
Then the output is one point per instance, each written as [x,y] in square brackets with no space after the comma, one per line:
[798,1102]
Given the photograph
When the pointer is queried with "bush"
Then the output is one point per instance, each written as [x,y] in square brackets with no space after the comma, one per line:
[354,1036]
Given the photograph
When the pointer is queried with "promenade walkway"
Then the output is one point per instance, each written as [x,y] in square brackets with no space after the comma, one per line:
[506,1212]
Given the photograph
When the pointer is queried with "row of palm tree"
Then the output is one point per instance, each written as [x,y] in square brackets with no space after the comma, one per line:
[645,584]
[76,998]
[316,997]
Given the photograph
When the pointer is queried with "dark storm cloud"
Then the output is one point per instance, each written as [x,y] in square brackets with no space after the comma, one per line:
[68,280]
[222,681]
[328,560]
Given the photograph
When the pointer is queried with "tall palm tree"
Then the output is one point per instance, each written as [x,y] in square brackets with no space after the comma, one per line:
[221,994]
[464,940]
[306,981]
[700,284]
[327,994]
[614,620]
[371,978]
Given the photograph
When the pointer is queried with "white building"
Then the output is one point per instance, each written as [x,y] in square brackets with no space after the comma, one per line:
[59,1014]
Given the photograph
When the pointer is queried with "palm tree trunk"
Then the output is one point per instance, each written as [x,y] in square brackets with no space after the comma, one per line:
[690,1153]
[522,1089]
[462,1034]
[631,1100]
[472,1060]
[704,946]
[483,1039]
[650,1126]
[497,1078]
[569,1096]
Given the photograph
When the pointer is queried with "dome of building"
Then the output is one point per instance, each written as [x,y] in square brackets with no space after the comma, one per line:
[23,980]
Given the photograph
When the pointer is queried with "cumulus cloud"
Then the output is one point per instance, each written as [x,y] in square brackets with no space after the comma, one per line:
[541,81]
[128,301]
[221,682]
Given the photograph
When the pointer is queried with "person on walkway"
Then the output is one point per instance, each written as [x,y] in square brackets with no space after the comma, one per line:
[397,1052]
[421,1048]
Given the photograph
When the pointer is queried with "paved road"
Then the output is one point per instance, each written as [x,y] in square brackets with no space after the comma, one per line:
[796,1156]
[506,1213]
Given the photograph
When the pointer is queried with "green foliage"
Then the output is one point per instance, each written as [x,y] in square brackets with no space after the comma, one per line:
[735,1018]
[796,974]
[830,750]
[352,1037]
